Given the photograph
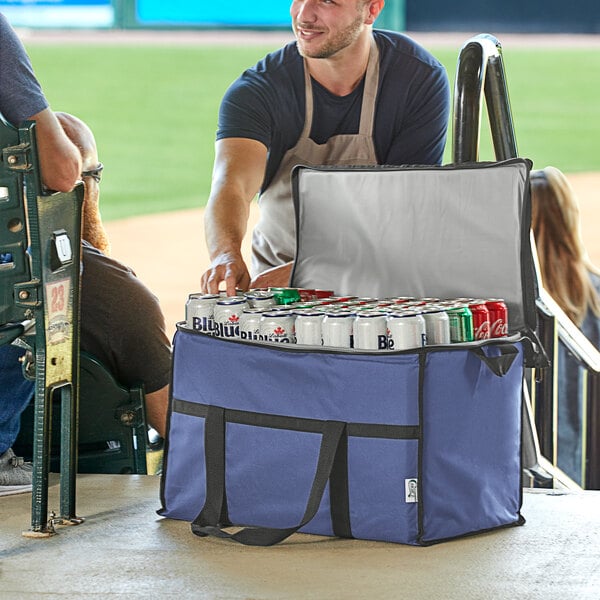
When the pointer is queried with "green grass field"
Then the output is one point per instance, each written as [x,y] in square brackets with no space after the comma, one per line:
[153,110]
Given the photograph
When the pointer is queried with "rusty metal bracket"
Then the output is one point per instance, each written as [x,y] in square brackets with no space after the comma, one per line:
[18,158]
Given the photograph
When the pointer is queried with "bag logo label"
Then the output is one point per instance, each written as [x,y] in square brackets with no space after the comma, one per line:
[410,490]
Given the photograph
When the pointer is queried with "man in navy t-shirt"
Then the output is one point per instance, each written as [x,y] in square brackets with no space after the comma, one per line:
[341,94]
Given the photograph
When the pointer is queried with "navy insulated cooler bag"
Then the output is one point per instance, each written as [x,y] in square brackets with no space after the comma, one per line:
[414,446]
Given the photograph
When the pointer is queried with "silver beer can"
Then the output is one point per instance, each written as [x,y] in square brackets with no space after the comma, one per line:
[199,312]
[406,330]
[338,328]
[277,326]
[437,326]
[370,331]
[260,298]
[309,327]
[250,324]
[228,311]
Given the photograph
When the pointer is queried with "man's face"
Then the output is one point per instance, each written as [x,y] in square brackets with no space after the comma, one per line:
[324,27]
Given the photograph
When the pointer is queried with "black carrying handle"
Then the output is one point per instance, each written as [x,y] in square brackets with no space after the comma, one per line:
[212,518]
[499,365]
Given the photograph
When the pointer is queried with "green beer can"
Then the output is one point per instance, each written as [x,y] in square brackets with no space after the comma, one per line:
[285,295]
[461,323]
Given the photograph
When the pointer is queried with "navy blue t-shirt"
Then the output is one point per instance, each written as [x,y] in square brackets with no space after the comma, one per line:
[21,96]
[267,103]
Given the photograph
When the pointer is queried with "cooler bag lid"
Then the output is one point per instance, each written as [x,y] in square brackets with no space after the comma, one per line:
[449,231]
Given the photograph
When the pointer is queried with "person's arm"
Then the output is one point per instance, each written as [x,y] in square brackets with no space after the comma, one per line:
[237,175]
[60,160]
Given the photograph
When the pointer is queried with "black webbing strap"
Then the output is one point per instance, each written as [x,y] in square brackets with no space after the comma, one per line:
[501,364]
[212,517]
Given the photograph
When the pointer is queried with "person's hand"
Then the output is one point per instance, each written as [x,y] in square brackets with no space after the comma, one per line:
[276,277]
[229,268]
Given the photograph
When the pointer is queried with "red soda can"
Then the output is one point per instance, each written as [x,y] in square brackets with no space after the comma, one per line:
[320,294]
[307,294]
[498,317]
[481,319]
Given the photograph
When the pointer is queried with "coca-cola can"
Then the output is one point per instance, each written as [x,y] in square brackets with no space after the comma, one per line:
[320,294]
[406,330]
[498,317]
[437,327]
[228,311]
[481,319]
[338,328]
[370,331]
[199,312]
[309,327]
[277,326]
[250,324]
[260,298]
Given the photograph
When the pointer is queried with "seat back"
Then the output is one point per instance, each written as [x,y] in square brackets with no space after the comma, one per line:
[40,269]
[112,434]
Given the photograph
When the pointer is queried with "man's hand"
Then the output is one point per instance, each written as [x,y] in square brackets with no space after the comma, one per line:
[275,277]
[229,268]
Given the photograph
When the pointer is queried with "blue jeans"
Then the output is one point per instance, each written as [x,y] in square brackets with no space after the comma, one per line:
[15,394]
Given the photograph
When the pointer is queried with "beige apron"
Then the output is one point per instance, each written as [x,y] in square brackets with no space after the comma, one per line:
[274,237]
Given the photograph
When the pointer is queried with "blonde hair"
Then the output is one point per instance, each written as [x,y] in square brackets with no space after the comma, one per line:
[564,262]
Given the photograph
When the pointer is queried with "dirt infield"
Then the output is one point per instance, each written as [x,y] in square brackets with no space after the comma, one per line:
[168,252]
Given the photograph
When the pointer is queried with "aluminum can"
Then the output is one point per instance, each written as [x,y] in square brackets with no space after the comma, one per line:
[260,299]
[309,327]
[285,295]
[250,324]
[277,326]
[406,330]
[338,329]
[228,311]
[481,319]
[370,331]
[498,317]
[306,295]
[199,312]
[321,294]
[461,323]
[437,327]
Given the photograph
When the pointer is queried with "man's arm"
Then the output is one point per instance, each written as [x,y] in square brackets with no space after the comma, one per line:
[237,175]
[60,160]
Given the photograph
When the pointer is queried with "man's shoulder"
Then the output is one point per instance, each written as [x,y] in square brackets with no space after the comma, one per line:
[398,47]
[281,64]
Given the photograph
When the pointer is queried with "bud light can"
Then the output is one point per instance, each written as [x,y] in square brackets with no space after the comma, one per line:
[309,327]
[228,311]
[437,327]
[406,330]
[370,331]
[498,317]
[250,324]
[481,319]
[199,312]
[461,323]
[277,326]
[338,329]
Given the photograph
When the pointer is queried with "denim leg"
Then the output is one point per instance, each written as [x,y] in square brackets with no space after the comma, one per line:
[15,394]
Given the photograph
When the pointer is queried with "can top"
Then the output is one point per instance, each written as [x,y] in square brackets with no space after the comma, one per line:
[263,294]
[339,314]
[370,314]
[279,314]
[231,300]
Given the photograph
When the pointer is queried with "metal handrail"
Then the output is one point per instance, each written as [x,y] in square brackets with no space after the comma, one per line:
[480,74]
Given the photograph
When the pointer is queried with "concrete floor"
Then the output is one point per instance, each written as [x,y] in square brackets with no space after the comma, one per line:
[124,550]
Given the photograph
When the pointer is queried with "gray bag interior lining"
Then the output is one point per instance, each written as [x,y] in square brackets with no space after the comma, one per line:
[447,232]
